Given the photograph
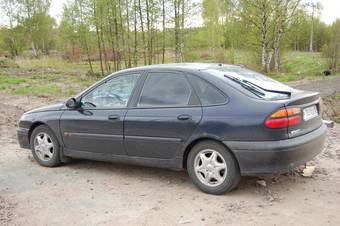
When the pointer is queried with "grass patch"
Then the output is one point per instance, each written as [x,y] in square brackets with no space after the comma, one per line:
[59,77]
[303,64]
[285,77]
[6,80]
[49,84]
[337,95]
[41,89]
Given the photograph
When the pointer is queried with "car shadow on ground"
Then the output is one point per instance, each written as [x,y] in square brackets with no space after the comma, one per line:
[181,179]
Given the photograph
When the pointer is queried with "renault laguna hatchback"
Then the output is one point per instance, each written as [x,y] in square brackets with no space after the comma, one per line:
[216,121]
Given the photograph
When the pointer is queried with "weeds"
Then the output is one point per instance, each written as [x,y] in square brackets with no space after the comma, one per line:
[54,76]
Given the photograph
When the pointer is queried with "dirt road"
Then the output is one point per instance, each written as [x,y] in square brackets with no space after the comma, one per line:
[95,193]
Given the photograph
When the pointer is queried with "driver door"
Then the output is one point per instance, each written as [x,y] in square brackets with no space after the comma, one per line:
[97,127]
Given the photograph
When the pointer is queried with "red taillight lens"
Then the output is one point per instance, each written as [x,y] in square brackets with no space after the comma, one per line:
[277,123]
[294,120]
[285,117]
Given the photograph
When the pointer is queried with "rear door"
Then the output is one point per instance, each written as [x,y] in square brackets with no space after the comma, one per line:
[165,114]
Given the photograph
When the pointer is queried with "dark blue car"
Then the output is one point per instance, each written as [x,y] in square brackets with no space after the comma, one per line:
[216,121]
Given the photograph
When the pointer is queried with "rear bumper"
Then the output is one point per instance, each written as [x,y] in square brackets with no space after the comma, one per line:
[258,157]
[23,137]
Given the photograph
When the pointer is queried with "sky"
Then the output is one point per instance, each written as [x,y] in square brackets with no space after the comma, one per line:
[329,13]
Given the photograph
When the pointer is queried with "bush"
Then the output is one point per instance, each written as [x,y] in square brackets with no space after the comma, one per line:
[90,73]
[7,63]
[191,56]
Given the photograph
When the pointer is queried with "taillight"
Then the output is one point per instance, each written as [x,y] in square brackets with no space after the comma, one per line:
[284,117]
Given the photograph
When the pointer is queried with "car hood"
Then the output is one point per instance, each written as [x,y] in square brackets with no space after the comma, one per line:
[53,107]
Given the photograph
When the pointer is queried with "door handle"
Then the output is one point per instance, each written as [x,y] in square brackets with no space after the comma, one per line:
[113,117]
[184,117]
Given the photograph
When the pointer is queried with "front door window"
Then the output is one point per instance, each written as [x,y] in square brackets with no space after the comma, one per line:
[114,93]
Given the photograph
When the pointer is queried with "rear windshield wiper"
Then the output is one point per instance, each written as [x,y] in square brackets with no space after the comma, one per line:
[255,87]
[247,85]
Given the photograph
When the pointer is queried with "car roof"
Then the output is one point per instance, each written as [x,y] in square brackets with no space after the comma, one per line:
[185,66]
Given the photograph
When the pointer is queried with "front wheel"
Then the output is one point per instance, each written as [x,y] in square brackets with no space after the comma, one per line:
[212,168]
[45,146]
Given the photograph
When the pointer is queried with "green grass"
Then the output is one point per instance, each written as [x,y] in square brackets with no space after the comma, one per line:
[285,77]
[5,80]
[54,76]
[294,65]
[47,84]
[337,96]
[40,89]
[299,65]
[8,82]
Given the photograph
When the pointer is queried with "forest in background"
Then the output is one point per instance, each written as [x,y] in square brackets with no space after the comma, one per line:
[109,35]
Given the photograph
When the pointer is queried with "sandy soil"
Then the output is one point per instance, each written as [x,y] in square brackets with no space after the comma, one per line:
[95,193]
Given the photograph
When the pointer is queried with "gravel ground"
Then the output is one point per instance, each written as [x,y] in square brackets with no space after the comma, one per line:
[88,192]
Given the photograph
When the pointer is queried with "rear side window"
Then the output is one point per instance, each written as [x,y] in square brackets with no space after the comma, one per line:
[165,89]
[208,94]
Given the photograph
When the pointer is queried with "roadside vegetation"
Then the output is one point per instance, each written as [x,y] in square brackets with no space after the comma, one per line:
[55,76]
[282,38]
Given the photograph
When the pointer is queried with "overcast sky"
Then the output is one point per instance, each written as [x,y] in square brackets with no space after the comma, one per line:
[331,10]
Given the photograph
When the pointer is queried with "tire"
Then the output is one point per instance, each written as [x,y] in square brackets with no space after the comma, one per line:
[217,171]
[45,147]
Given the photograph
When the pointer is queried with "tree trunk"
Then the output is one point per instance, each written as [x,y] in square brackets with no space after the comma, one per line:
[264,57]
[177,32]
[88,56]
[113,49]
[182,29]
[98,38]
[84,39]
[128,33]
[142,30]
[135,57]
[312,33]
[149,32]
[122,32]
[34,50]
[116,40]
[277,43]
[163,32]
[269,56]
[107,65]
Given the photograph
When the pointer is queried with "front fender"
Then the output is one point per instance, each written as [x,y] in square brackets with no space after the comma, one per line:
[30,121]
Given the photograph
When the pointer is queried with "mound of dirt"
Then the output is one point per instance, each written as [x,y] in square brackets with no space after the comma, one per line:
[332,107]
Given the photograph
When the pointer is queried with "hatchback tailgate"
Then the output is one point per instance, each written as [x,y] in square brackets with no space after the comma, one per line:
[310,104]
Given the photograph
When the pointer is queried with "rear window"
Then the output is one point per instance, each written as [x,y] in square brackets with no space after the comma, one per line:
[252,82]
[208,94]
[165,89]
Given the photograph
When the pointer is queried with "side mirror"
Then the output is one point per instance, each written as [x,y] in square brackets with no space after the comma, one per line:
[72,103]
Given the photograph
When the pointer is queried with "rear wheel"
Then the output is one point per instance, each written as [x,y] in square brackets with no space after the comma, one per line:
[45,146]
[212,168]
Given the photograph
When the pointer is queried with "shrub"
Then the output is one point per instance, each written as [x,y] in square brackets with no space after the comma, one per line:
[7,63]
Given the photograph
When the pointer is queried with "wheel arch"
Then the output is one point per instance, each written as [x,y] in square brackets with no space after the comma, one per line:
[32,128]
[202,139]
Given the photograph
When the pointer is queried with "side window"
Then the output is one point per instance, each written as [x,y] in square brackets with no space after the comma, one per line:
[207,93]
[114,93]
[165,89]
